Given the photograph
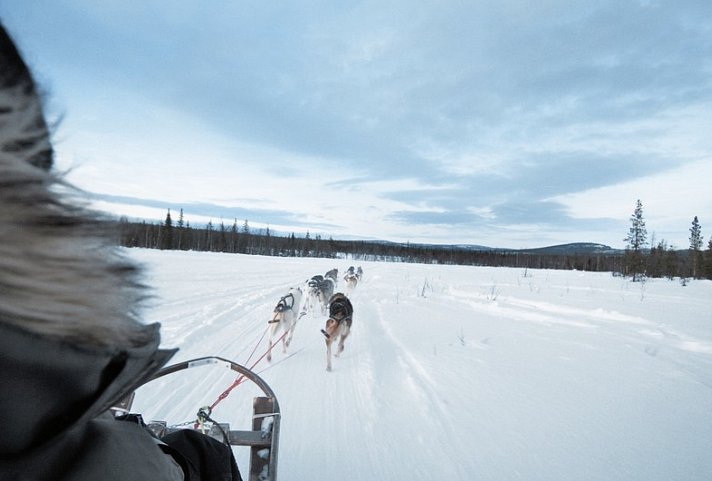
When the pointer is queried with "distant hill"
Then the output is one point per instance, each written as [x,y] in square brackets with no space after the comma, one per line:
[575,248]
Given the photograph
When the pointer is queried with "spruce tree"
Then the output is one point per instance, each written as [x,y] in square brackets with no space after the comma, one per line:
[222,237]
[209,236]
[167,233]
[180,224]
[268,242]
[292,245]
[234,237]
[695,249]
[635,243]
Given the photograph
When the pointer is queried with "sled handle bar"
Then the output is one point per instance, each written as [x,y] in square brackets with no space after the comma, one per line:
[202,361]
[259,438]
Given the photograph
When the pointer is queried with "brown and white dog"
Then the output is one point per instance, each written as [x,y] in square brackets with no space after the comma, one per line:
[338,325]
[284,317]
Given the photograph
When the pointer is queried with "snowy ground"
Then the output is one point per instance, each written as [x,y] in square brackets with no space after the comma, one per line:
[452,373]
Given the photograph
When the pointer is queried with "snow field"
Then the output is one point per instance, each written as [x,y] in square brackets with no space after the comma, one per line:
[451,372]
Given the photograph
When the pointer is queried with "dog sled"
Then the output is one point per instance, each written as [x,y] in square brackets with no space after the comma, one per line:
[263,437]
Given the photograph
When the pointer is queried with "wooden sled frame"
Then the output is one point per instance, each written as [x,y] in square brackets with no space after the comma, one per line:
[263,439]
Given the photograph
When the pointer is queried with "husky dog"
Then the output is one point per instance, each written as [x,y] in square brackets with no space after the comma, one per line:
[338,325]
[285,316]
[312,290]
[324,293]
[351,278]
[333,274]
[359,273]
[319,290]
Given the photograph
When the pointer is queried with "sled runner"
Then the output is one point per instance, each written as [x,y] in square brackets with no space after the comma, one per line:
[262,439]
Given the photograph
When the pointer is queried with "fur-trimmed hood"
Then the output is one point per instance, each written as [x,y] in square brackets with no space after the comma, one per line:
[60,274]
[71,342]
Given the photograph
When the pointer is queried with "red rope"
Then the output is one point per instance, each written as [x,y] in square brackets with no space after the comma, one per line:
[241,377]
[257,345]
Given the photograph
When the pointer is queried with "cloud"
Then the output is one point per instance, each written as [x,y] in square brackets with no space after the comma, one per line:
[511,119]
[670,199]
[445,218]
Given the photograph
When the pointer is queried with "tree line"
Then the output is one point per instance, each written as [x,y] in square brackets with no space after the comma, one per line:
[650,259]
[636,261]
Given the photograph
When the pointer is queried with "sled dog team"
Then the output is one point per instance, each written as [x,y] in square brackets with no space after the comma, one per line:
[318,291]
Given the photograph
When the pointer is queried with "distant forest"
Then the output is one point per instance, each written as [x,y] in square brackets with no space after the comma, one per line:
[659,261]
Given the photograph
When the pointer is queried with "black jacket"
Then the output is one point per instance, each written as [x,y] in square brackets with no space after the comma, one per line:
[54,419]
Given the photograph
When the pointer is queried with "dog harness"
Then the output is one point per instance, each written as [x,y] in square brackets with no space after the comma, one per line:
[339,313]
[285,303]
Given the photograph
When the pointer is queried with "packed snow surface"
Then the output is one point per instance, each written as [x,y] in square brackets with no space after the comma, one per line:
[450,373]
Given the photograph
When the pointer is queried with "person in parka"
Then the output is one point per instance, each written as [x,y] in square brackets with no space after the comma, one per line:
[71,341]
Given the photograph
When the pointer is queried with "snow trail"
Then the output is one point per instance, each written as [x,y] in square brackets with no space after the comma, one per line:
[450,372]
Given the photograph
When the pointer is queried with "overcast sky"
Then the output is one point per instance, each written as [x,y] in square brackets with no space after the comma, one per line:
[502,123]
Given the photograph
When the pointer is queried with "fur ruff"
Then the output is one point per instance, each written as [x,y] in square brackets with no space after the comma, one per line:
[60,273]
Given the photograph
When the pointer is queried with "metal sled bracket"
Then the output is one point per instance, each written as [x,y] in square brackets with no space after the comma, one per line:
[263,439]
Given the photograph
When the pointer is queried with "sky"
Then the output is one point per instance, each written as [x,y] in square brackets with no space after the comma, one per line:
[507,124]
